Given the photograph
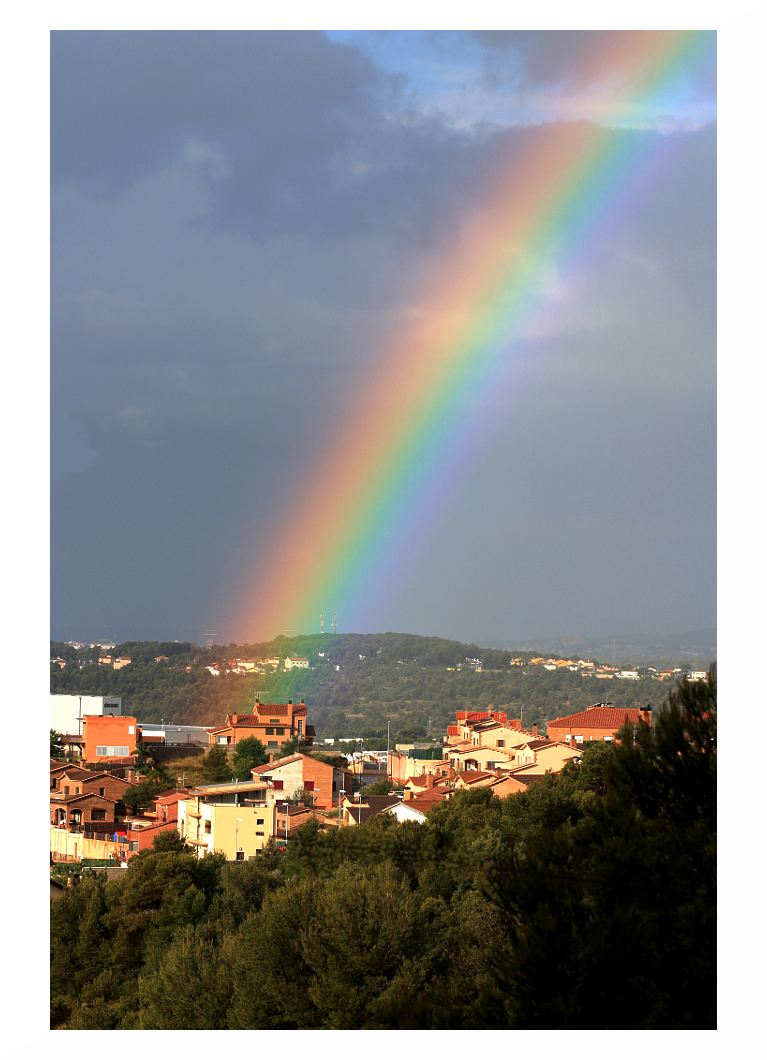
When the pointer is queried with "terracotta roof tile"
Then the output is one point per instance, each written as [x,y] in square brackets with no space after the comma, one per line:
[611,718]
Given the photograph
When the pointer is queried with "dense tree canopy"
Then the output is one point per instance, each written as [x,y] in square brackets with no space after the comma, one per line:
[357,685]
[586,901]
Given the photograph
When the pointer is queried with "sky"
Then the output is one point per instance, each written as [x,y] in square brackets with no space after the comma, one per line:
[256,237]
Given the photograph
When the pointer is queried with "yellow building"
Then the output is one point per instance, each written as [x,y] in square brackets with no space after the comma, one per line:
[237,820]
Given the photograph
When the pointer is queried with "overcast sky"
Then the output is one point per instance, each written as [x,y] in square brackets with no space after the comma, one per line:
[240,222]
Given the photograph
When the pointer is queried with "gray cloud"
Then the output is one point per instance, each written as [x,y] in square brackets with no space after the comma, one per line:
[241,224]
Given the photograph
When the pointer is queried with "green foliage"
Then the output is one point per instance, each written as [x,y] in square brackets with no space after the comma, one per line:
[402,678]
[145,792]
[384,786]
[57,747]
[248,754]
[215,765]
[613,921]
[588,900]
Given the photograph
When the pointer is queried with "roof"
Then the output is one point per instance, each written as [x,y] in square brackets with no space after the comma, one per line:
[611,718]
[472,776]
[66,800]
[431,797]
[77,772]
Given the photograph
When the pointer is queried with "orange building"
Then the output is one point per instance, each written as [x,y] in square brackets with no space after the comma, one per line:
[271,723]
[107,736]
[600,722]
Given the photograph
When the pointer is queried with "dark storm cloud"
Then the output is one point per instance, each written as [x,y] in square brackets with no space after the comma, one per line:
[302,125]
[240,224]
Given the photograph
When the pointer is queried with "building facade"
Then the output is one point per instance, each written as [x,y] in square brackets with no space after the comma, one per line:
[271,723]
[598,722]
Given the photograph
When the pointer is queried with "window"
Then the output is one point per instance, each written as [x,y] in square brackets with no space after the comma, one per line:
[274,721]
[259,833]
[207,828]
[500,743]
[240,855]
[300,726]
[270,732]
[260,820]
[98,815]
[101,791]
[272,743]
[131,730]
[309,785]
[280,732]
[101,752]
[66,789]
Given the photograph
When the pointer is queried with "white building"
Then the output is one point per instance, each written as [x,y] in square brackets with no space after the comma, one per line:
[67,712]
[296,664]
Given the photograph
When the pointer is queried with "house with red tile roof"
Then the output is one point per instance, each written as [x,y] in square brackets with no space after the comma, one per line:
[271,723]
[598,722]
[299,772]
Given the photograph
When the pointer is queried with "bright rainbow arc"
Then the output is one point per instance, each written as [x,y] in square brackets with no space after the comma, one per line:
[369,498]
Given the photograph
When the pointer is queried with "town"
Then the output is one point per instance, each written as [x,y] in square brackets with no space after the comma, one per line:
[91,823]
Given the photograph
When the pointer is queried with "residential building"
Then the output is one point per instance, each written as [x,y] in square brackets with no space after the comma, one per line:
[300,772]
[236,819]
[109,737]
[598,722]
[271,723]
[296,664]
[357,811]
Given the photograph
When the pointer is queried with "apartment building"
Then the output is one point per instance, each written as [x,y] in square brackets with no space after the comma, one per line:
[236,819]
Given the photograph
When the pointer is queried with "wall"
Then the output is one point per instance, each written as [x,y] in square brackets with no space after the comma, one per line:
[65,710]
[224,828]
[109,732]
[74,844]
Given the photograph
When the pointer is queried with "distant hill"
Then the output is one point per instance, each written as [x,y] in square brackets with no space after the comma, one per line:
[370,685]
[697,647]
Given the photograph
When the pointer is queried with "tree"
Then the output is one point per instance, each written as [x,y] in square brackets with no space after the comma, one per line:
[57,746]
[612,921]
[248,754]
[215,765]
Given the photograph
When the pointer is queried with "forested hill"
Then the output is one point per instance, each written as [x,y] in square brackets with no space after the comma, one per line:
[360,682]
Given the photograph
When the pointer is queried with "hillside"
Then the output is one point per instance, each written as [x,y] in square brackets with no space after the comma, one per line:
[360,682]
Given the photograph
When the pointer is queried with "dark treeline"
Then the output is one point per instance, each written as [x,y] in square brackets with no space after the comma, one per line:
[585,902]
[417,683]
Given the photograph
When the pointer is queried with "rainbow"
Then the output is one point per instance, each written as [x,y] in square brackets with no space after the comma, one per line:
[367,501]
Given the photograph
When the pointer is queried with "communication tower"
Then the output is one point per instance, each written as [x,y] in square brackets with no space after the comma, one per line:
[322,623]
[288,632]
[210,636]
[335,624]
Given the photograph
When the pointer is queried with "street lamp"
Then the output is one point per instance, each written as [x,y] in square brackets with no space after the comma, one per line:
[341,791]
[238,822]
[359,807]
[388,723]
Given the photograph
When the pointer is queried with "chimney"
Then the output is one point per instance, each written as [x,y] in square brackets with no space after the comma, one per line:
[429,780]
[271,757]
[535,728]
[573,742]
